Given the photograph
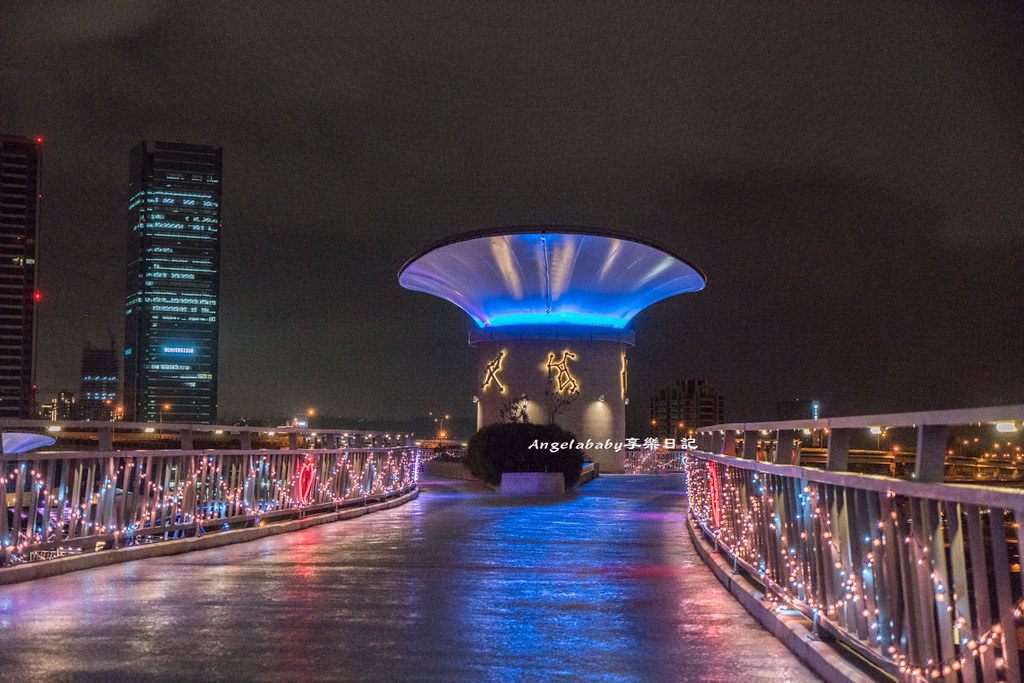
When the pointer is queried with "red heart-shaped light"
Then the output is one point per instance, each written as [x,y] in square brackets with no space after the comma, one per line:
[304,484]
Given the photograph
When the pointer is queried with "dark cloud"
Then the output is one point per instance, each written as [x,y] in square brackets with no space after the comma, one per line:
[848,175]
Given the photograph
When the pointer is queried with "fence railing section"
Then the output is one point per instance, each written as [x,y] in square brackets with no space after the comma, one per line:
[922,578]
[62,502]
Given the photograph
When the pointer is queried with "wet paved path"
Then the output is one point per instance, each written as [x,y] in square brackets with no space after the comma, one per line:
[456,585]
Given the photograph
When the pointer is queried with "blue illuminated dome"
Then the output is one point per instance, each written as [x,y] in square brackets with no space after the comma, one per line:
[549,275]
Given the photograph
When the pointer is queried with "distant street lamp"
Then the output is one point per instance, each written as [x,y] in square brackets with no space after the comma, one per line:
[163,409]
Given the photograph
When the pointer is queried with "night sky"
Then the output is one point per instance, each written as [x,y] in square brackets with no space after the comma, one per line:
[848,176]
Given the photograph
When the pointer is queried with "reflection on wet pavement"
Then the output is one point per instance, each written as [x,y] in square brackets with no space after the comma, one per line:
[457,585]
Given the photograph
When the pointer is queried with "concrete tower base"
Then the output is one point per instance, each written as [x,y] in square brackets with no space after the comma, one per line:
[547,363]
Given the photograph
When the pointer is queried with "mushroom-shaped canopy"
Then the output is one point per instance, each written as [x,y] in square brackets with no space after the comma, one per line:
[549,275]
[17,442]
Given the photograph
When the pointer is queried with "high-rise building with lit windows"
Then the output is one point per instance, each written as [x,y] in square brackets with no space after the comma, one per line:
[20,196]
[171,311]
[685,406]
[98,396]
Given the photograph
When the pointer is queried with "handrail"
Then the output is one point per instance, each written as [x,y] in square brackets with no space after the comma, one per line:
[119,425]
[918,577]
[955,416]
[953,493]
[54,502]
[933,434]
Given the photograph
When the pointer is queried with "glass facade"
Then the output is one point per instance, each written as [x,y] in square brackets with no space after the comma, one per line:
[20,195]
[171,311]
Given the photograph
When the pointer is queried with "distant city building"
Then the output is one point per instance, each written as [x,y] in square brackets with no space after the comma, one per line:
[797,410]
[46,410]
[64,407]
[98,395]
[686,405]
[172,305]
[20,195]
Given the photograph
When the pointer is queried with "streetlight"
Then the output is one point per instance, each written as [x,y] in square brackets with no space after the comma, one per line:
[163,409]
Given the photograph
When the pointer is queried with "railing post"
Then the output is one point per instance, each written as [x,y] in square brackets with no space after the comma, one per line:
[293,441]
[930,461]
[186,440]
[729,445]
[105,437]
[245,440]
[716,442]
[5,551]
[838,458]
[784,447]
[750,444]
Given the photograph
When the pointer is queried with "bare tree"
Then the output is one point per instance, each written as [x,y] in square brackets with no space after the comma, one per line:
[514,410]
[556,402]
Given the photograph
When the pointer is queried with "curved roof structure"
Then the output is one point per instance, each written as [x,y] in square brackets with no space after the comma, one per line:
[535,275]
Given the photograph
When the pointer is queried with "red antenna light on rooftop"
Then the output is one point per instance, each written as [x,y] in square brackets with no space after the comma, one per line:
[39,139]
[39,296]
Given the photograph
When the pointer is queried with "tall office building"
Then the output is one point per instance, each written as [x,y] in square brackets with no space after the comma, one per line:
[98,395]
[20,195]
[170,371]
[687,405]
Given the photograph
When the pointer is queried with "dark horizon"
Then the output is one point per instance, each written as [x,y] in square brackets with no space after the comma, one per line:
[849,178]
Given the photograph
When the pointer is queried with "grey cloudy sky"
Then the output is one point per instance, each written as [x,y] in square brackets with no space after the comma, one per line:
[848,175]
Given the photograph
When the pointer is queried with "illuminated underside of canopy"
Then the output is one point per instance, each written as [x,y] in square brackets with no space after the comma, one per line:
[549,275]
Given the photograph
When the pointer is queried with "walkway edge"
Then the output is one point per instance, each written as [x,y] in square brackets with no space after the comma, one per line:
[65,565]
[816,654]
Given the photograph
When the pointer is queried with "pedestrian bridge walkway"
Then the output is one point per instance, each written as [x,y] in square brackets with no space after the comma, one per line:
[458,584]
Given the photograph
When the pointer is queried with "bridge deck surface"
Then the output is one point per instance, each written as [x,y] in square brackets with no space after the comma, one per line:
[457,585]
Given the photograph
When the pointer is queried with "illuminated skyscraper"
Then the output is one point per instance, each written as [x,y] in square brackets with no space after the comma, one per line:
[171,329]
[20,195]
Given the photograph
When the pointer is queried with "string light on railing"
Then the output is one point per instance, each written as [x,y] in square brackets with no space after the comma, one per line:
[740,523]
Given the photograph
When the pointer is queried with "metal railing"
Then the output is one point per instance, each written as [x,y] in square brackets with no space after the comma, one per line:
[64,501]
[922,578]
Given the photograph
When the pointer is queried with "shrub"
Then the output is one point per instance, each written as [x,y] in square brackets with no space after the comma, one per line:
[505,447]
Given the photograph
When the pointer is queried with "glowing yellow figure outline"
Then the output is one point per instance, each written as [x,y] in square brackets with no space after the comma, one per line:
[564,380]
[493,368]
[623,375]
